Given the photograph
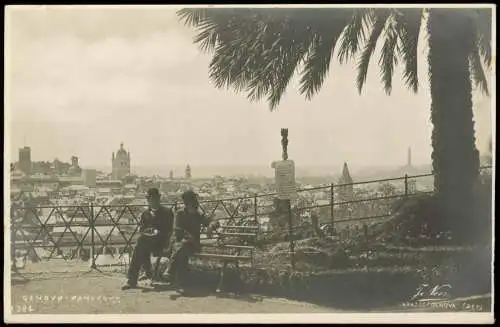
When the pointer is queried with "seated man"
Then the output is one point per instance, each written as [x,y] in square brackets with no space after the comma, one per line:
[156,225]
[186,238]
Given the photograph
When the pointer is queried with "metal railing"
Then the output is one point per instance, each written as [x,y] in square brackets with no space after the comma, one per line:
[87,231]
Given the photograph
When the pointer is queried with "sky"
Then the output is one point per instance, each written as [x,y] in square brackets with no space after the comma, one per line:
[81,80]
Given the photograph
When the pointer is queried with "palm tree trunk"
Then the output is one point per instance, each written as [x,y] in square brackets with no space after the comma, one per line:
[454,158]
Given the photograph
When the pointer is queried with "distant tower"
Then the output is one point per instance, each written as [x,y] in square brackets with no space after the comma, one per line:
[75,169]
[346,192]
[74,161]
[25,160]
[408,162]
[188,172]
[120,163]
[171,174]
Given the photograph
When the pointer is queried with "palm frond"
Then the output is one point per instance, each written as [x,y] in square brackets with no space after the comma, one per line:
[258,50]
[325,33]
[482,20]
[477,71]
[409,24]
[388,58]
[293,45]
[192,17]
[354,34]
[207,36]
[380,17]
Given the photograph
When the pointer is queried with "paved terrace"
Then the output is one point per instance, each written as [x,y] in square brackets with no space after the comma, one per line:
[71,287]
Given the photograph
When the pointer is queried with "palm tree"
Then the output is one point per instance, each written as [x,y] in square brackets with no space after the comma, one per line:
[258,51]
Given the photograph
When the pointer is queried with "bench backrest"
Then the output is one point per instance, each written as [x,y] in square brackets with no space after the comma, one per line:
[237,235]
[233,240]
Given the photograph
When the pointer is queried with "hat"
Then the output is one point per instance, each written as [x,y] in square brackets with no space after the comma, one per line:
[190,196]
[153,193]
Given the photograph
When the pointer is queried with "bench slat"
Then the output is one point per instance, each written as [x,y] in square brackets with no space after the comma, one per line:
[221,256]
[231,246]
[256,228]
[238,234]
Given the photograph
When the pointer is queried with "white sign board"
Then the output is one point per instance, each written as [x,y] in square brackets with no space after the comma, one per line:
[285,179]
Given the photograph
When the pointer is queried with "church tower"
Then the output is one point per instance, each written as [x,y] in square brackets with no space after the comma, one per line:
[188,172]
[346,192]
[120,163]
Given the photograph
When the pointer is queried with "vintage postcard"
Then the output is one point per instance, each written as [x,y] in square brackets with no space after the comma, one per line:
[272,164]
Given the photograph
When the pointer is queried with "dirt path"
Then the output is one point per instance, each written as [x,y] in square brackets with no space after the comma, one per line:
[91,294]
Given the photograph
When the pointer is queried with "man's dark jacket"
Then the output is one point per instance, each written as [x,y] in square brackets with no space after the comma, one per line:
[161,219]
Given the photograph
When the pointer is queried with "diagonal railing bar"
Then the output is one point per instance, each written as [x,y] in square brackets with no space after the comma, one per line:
[29,243]
[80,243]
[66,227]
[204,207]
[16,225]
[110,233]
[128,242]
[225,208]
[115,226]
[96,232]
[43,226]
[231,215]
[236,210]
[84,237]
[121,232]
[212,213]
[137,221]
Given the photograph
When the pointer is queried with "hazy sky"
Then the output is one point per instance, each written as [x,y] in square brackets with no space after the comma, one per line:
[80,81]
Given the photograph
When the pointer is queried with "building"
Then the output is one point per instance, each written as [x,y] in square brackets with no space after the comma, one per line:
[25,160]
[111,184]
[89,177]
[75,169]
[346,191]
[120,163]
[171,174]
[188,172]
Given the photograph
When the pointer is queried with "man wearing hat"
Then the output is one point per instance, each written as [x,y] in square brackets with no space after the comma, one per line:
[186,239]
[155,227]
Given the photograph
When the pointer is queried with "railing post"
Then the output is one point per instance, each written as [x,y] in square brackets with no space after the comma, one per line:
[406,185]
[92,231]
[332,217]
[290,234]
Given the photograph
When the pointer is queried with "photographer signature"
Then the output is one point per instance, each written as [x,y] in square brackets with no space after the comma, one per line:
[437,292]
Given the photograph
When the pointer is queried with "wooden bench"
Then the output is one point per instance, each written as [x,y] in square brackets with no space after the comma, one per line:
[233,245]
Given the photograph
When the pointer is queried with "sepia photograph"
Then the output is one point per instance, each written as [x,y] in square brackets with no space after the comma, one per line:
[249,163]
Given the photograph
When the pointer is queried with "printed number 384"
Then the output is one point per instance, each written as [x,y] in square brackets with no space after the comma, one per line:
[25,308]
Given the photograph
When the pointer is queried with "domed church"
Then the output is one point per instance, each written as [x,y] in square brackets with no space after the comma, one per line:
[120,163]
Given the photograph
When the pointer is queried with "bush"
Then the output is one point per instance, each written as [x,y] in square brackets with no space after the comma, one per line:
[362,285]
[350,289]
